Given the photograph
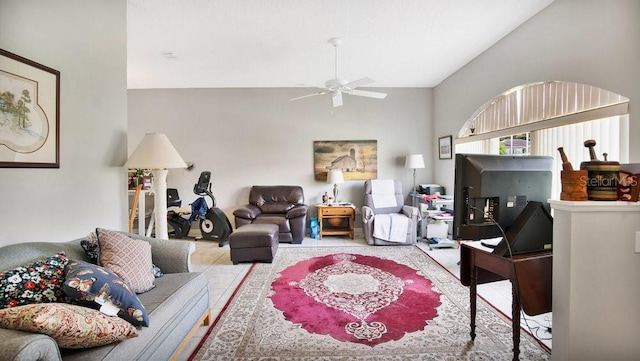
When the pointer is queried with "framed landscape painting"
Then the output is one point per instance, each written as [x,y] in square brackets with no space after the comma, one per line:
[29,113]
[358,159]
[445,147]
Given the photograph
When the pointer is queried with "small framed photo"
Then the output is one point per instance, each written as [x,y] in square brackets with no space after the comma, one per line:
[445,150]
[629,182]
[628,187]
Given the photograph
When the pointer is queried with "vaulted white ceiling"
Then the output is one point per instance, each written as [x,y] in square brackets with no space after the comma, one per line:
[284,43]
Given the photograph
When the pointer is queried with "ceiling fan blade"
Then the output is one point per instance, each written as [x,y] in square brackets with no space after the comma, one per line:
[310,95]
[365,93]
[360,82]
[336,97]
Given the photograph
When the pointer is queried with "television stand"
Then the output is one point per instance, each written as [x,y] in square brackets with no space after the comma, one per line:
[437,229]
[441,243]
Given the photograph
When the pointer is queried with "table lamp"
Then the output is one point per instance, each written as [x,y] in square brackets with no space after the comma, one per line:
[156,153]
[334,176]
[414,161]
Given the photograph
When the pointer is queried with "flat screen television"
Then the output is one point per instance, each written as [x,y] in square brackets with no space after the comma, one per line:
[492,189]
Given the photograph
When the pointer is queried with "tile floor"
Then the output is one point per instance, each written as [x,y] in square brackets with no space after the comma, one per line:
[224,277]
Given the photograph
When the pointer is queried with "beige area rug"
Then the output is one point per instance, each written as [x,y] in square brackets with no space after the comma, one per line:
[337,285]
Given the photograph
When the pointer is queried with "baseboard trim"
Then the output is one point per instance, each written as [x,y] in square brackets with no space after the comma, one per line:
[204,320]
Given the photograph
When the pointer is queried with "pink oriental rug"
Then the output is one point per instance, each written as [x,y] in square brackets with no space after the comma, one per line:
[355,298]
[357,303]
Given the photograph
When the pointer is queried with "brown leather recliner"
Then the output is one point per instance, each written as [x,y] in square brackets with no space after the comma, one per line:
[280,205]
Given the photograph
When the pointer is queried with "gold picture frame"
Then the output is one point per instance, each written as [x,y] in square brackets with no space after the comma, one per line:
[29,113]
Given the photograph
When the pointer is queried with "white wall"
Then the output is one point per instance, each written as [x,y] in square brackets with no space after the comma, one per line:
[86,42]
[251,137]
[586,41]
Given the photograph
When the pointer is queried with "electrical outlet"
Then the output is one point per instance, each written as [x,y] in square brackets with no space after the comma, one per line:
[637,241]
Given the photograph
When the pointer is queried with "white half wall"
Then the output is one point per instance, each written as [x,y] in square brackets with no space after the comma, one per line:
[86,42]
[249,137]
[593,325]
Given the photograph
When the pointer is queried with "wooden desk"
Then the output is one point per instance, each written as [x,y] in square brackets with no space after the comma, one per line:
[530,276]
[336,220]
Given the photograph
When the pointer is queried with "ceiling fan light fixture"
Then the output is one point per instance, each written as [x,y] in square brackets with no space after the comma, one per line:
[336,98]
[338,86]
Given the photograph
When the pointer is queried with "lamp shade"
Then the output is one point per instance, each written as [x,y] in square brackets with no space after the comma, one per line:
[335,176]
[155,151]
[414,161]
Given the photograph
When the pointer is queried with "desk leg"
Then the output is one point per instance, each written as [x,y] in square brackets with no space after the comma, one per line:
[515,320]
[472,294]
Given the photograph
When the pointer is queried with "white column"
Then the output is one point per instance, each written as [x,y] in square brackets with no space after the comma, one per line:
[160,202]
[596,280]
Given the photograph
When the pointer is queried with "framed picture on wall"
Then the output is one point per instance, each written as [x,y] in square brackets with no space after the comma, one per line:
[445,147]
[358,159]
[29,113]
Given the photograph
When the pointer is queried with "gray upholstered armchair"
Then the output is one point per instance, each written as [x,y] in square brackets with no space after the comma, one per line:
[280,205]
[385,218]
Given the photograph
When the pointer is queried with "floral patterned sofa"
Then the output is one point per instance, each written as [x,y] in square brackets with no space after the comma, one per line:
[38,321]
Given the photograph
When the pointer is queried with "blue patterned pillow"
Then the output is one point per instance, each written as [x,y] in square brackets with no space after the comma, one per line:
[84,282]
[39,282]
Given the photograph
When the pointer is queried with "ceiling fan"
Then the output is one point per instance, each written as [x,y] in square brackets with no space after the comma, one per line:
[336,87]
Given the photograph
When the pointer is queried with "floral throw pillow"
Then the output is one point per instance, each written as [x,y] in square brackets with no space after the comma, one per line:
[70,326]
[39,282]
[128,258]
[91,248]
[93,286]
[157,272]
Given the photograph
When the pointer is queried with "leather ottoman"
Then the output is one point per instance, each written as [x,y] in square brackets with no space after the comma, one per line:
[256,242]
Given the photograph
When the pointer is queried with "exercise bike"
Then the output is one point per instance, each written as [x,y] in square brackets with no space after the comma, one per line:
[214,224]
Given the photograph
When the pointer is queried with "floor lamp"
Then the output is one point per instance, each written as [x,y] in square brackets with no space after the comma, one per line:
[414,161]
[155,152]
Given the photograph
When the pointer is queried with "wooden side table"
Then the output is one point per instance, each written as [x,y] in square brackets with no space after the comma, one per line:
[336,220]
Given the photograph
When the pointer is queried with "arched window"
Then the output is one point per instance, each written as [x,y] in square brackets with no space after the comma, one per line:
[538,118]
